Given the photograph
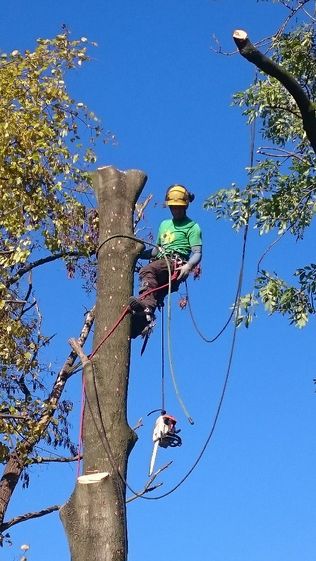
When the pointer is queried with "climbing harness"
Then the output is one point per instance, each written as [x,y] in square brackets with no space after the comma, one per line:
[126,311]
[164,435]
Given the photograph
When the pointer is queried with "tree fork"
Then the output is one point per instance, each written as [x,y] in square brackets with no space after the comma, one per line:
[95,516]
[264,63]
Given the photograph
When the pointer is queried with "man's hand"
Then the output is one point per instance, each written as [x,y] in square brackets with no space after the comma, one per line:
[184,272]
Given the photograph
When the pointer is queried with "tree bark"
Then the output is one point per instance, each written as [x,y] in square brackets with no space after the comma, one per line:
[264,63]
[95,516]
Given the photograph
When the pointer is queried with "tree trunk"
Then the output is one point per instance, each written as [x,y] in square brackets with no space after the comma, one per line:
[95,516]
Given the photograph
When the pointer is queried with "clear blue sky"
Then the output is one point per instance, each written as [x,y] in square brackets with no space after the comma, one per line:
[156,83]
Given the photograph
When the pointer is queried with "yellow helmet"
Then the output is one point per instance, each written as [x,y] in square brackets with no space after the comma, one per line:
[177,195]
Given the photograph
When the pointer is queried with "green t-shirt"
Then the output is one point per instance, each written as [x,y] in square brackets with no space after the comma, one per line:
[178,236]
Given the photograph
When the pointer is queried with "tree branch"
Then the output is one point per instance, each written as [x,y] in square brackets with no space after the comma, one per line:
[16,462]
[149,487]
[290,16]
[284,109]
[267,65]
[30,266]
[139,210]
[13,416]
[50,459]
[28,516]
[75,345]
[7,251]
[277,152]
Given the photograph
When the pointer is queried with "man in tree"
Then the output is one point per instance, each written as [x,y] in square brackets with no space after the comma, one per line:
[179,244]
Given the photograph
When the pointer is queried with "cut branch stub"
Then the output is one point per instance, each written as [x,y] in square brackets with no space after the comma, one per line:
[239,35]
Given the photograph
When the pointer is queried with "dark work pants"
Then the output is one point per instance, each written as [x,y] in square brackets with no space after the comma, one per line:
[153,275]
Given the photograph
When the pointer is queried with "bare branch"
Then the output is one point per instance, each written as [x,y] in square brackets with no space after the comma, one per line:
[266,40]
[139,424]
[50,459]
[28,516]
[284,109]
[23,387]
[270,246]
[149,487]
[27,295]
[9,416]
[78,350]
[277,152]
[30,266]
[65,371]
[25,310]
[290,16]
[139,210]
[10,301]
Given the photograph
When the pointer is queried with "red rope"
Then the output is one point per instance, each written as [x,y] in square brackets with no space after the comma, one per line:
[173,277]
[116,324]
[82,406]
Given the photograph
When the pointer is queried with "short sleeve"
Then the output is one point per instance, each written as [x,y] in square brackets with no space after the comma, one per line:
[195,235]
[158,239]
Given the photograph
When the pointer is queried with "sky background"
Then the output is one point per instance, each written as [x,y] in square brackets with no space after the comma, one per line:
[159,87]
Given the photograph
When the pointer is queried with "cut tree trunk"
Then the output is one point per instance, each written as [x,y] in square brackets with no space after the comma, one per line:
[95,515]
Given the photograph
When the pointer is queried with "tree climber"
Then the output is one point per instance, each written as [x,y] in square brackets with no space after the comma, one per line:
[180,241]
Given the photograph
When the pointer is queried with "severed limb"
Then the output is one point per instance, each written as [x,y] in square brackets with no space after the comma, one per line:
[77,348]
[267,65]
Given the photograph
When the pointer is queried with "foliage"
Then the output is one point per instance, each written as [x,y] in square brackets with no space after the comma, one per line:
[46,148]
[280,195]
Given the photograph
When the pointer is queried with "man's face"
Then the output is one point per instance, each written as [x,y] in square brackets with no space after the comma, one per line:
[178,212]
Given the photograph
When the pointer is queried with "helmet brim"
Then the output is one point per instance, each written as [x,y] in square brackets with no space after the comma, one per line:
[176,203]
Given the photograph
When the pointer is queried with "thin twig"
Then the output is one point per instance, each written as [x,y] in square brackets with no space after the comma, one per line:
[138,424]
[270,246]
[9,416]
[149,487]
[277,154]
[288,19]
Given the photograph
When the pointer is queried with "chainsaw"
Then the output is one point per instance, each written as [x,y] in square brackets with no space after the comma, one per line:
[164,435]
